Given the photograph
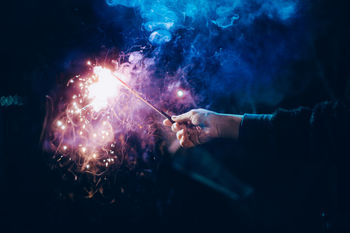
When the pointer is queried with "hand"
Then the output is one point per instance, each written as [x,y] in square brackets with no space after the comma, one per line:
[200,125]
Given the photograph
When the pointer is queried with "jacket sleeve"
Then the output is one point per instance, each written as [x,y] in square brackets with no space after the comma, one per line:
[304,133]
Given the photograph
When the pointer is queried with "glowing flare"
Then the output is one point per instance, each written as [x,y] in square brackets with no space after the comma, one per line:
[86,127]
[180,93]
[104,89]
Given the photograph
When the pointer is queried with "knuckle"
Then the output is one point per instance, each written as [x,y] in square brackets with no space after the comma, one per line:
[182,143]
[195,119]
[192,112]
[173,127]
[179,134]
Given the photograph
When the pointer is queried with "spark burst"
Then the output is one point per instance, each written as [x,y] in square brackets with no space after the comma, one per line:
[85,131]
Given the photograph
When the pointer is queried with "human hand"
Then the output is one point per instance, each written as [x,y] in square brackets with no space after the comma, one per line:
[200,125]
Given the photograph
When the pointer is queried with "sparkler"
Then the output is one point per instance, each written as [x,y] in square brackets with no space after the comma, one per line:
[137,95]
[86,127]
[92,125]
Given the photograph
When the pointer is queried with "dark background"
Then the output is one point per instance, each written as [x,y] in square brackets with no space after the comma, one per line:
[39,42]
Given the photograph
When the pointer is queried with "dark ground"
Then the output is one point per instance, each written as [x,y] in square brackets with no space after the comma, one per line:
[36,37]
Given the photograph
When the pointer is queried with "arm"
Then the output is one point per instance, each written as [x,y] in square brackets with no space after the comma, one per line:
[322,131]
[205,125]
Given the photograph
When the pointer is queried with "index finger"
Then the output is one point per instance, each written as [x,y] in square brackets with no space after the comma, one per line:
[167,122]
[183,117]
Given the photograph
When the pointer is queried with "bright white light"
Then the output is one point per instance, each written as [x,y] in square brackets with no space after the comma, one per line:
[180,93]
[105,89]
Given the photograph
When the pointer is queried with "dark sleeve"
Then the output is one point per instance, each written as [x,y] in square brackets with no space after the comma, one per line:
[304,133]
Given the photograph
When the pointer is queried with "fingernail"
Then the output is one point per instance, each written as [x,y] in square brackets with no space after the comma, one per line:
[173,117]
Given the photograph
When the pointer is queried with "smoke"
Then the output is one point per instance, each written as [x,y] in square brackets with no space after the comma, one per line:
[233,48]
[170,15]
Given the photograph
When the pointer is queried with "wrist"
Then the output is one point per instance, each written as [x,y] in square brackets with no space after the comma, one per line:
[228,125]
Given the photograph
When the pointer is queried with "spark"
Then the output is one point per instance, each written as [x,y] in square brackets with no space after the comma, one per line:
[79,128]
[180,93]
[104,89]
[86,127]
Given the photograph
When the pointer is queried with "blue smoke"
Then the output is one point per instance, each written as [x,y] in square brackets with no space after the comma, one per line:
[233,48]
[167,15]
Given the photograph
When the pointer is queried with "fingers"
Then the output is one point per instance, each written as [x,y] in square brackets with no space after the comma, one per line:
[167,122]
[181,130]
[180,134]
[184,140]
[183,117]
[176,127]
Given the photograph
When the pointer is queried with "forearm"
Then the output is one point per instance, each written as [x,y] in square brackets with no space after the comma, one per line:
[303,133]
[228,125]
[255,128]
[285,133]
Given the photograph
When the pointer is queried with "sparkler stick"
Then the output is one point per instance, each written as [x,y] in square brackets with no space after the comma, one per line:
[137,95]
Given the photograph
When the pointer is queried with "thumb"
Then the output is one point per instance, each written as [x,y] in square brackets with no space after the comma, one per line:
[183,117]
